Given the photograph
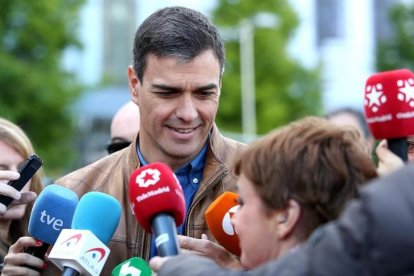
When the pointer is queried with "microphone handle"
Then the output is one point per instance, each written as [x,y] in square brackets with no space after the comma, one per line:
[68,271]
[39,252]
[165,231]
[399,146]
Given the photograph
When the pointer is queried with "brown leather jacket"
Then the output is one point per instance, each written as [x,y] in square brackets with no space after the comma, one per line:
[111,175]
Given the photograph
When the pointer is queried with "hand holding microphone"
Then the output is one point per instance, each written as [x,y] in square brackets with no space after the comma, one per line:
[82,250]
[389,108]
[52,211]
[388,162]
[157,200]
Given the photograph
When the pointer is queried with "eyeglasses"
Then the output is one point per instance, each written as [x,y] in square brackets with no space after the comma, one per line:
[115,146]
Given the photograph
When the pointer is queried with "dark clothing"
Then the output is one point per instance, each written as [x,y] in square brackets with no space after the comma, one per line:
[373,236]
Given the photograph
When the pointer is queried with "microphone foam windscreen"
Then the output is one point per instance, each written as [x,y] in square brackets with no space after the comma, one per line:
[155,189]
[218,218]
[52,211]
[389,104]
[99,213]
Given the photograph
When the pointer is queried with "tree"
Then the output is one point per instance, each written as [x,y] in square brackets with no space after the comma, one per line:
[285,90]
[35,91]
[398,51]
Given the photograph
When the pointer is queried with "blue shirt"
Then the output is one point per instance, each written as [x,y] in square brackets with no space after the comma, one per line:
[189,176]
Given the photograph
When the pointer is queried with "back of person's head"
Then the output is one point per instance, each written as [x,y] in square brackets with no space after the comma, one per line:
[15,137]
[350,116]
[124,127]
[176,31]
[312,161]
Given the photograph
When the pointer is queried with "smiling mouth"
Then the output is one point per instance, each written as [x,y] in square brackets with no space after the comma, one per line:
[183,130]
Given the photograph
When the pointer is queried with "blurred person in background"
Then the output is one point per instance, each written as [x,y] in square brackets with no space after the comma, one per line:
[347,116]
[15,148]
[290,182]
[410,141]
[124,127]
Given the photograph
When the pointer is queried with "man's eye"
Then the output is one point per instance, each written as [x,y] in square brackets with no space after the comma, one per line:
[206,93]
[165,93]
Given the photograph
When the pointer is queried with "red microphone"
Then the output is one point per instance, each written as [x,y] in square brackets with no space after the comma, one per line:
[389,108]
[218,217]
[157,200]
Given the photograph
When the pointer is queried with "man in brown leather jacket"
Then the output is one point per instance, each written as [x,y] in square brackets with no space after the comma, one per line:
[175,80]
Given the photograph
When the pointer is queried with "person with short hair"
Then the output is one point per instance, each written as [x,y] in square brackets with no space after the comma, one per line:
[175,79]
[347,116]
[124,127]
[290,182]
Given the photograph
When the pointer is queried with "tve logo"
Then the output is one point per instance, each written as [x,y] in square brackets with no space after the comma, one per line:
[52,221]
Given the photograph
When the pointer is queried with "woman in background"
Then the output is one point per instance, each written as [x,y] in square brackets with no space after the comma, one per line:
[15,148]
[290,182]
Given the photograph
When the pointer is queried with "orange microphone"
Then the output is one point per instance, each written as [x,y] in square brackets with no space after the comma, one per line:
[218,217]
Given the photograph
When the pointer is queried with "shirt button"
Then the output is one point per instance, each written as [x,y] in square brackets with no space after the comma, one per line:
[195,180]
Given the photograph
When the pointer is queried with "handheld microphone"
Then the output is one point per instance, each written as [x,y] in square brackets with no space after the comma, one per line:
[132,267]
[218,218]
[157,200]
[82,250]
[51,213]
[389,108]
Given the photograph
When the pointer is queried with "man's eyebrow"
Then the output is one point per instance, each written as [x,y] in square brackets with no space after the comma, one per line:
[165,87]
[175,89]
[207,87]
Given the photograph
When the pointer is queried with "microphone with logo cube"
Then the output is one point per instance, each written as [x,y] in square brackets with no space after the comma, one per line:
[82,249]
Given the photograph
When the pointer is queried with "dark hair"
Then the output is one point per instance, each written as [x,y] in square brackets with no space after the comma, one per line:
[359,115]
[312,161]
[176,31]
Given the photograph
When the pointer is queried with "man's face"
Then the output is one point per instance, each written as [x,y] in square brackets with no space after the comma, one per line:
[178,103]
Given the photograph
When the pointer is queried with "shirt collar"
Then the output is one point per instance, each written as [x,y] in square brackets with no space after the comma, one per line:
[197,164]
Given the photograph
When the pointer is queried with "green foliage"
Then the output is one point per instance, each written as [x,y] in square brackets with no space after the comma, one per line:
[35,91]
[285,90]
[398,52]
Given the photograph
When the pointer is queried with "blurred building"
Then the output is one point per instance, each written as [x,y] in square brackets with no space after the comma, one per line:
[342,36]
[338,34]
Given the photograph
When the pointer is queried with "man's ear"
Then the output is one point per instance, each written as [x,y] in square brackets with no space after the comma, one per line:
[133,84]
[288,219]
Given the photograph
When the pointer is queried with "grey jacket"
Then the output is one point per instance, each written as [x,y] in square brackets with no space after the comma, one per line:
[373,236]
